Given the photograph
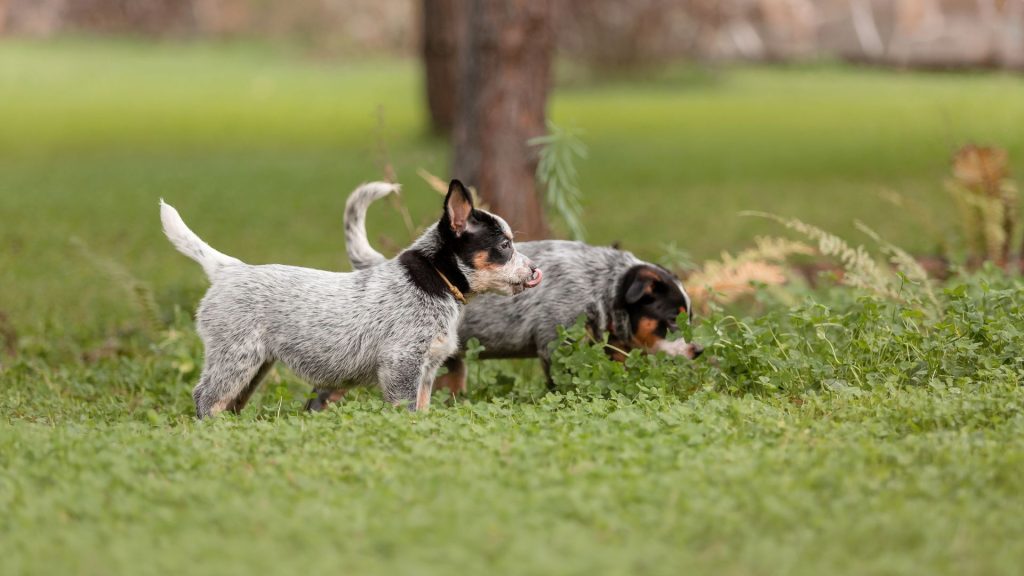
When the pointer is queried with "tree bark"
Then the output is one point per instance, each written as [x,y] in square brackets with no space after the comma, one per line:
[505,79]
[443,28]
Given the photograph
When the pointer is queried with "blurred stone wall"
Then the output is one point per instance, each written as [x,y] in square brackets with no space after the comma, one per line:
[913,33]
[327,25]
[605,34]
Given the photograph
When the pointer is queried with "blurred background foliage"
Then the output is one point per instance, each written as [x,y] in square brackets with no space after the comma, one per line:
[606,34]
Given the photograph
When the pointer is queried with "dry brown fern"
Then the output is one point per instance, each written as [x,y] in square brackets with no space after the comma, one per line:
[861,270]
[987,202]
[732,277]
[906,264]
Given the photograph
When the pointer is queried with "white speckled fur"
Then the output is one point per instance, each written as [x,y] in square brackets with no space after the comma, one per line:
[335,330]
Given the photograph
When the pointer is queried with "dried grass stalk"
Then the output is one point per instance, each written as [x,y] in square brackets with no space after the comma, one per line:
[732,277]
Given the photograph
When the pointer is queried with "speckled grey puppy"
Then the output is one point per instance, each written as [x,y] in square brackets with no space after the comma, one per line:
[635,303]
[392,324]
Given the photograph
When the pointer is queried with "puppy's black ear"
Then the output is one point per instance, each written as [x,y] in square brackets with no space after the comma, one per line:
[458,204]
[641,281]
[637,289]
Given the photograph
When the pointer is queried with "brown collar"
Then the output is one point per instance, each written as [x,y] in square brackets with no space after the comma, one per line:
[451,287]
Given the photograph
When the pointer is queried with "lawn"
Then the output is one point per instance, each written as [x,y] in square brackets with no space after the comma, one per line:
[838,436]
[920,482]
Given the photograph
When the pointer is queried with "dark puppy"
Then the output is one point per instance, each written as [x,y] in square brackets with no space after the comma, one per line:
[636,303]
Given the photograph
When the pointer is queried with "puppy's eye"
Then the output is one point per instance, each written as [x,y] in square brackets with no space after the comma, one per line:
[506,245]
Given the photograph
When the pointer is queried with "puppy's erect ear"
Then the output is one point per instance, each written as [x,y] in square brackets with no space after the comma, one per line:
[459,205]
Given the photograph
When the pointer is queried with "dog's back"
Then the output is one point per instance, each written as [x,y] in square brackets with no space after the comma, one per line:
[292,312]
[583,282]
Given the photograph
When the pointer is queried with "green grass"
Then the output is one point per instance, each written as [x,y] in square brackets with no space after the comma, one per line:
[102,470]
[714,484]
[833,437]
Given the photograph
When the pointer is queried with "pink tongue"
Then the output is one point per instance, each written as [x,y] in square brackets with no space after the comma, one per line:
[537,275]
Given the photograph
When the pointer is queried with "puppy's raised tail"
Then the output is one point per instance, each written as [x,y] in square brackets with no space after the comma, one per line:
[191,245]
[360,253]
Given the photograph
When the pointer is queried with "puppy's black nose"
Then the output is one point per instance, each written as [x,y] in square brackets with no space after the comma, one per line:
[697,349]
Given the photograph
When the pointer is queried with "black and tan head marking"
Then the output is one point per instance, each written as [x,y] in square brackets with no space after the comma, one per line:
[475,252]
[654,298]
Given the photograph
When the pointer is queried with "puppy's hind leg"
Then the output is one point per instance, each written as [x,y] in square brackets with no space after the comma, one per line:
[325,398]
[455,380]
[242,399]
[228,378]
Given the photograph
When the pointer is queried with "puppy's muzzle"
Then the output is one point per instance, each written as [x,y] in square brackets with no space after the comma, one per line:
[680,347]
[530,278]
[535,279]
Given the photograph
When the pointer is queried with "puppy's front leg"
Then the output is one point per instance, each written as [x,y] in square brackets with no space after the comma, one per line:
[426,388]
[424,393]
[400,380]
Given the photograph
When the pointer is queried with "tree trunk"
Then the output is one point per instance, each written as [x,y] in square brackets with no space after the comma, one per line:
[505,78]
[443,28]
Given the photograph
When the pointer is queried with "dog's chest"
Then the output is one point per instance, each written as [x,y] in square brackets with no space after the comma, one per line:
[443,346]
[446,342]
